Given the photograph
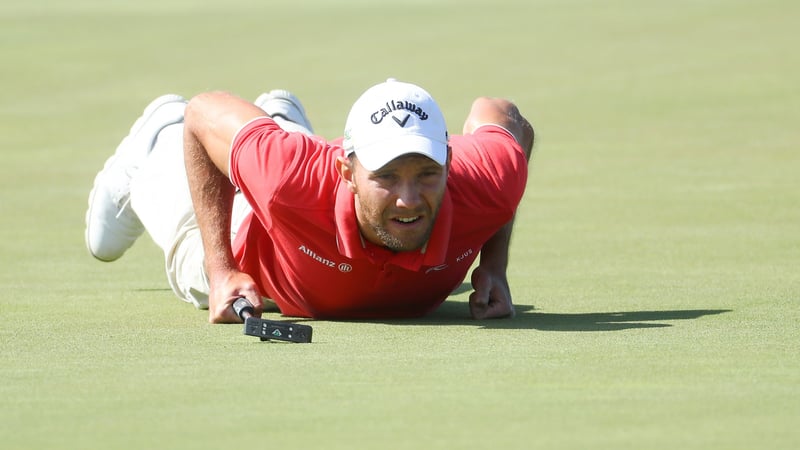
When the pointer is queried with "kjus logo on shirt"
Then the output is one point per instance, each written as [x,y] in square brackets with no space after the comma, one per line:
[343,267]
[459,259]
[464,255]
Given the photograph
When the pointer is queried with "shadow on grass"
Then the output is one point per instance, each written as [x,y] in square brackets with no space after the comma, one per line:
[457,313]
[528,318]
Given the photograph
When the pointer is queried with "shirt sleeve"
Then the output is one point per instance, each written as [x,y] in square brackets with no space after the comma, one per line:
[489,170]
[271,165]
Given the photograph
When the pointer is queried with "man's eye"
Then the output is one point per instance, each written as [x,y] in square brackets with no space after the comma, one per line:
[384,176]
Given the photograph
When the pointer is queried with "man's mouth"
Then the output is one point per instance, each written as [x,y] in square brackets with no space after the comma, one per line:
[406,219]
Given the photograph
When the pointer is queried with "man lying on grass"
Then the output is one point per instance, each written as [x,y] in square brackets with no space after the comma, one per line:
[383,223]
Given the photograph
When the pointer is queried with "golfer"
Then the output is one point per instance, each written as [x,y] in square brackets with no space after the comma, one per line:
[386,222]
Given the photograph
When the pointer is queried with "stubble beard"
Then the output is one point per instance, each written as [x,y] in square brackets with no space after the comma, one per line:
[397,244]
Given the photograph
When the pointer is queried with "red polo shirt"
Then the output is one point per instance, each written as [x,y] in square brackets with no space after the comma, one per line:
[302,244]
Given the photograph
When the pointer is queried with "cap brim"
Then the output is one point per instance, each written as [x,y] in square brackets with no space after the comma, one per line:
[378,154]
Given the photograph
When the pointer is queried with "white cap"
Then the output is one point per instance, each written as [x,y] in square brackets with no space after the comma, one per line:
[393,119]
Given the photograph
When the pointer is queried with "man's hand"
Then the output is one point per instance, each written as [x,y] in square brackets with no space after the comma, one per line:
[225,289]
[492,296]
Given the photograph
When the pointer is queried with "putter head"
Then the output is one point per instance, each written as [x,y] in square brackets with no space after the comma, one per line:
[279,331]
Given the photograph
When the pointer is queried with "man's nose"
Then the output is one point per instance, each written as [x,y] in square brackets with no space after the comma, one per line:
[408,195]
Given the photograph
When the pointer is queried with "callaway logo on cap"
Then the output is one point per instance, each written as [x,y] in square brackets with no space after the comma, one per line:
[393,119]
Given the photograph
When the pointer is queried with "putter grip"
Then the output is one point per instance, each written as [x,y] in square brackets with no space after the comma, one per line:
[243,308]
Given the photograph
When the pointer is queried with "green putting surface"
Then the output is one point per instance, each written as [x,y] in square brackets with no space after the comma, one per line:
[654,262]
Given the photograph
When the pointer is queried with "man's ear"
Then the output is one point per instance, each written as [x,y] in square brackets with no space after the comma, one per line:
[345,169]
[449,155]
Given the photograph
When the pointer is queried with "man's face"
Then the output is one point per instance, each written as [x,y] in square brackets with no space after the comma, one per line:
[396,205]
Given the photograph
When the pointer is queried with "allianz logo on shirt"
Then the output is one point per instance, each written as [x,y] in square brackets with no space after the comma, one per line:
[343,267]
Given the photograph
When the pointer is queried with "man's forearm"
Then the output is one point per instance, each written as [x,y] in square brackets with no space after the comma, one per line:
[494,253]
[211,123]
[212,197]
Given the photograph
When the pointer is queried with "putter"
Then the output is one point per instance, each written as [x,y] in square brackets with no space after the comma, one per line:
[270,329]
